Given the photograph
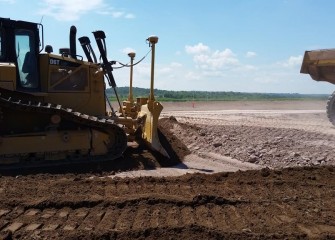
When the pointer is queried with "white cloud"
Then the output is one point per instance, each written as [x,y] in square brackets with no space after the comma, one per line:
[250,67]
[128,50]
[71,10]
[65,10]
[117,14]
[129,16]
[213,74]
[169,69]
[143,70]
[176,64]
[197,49]
[164,70]
[224,69]
[219,67]
[292,61]
[206,59]
[250,54]
[265,79]
[8,1]
[216,60]
[192,76]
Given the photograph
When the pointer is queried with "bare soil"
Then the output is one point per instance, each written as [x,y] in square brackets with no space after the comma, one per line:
[240,170]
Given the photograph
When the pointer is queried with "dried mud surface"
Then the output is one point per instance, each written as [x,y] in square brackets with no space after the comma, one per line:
[291,196]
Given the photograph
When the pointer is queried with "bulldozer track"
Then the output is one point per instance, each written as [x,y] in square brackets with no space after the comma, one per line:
[103,124]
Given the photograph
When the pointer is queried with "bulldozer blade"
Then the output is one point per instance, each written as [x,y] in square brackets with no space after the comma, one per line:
[320,65]
[151,112]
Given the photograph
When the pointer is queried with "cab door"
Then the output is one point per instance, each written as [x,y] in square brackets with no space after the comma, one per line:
[19,48]
[27,64]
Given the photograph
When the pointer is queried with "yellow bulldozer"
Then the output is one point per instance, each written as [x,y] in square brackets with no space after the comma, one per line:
[54,107]
[320,65]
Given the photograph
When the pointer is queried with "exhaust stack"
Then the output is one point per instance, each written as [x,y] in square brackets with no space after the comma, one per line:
[73,47]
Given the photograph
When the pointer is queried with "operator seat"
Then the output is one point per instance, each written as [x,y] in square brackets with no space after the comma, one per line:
[28,67]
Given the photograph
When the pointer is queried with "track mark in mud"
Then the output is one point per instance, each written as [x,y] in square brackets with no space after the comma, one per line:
[314,231]
[119,215]
[260,204]
[131,215]
[120,203]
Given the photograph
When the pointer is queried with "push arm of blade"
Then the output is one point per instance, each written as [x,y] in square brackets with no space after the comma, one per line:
[85,42]
[93,54]
[108,80]
[100,37]
[107,66]
[110,105]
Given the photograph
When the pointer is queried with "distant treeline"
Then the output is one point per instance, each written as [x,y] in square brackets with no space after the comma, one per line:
[165,95]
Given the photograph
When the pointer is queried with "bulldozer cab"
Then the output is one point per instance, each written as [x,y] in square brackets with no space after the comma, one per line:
[20,46]
[55,78]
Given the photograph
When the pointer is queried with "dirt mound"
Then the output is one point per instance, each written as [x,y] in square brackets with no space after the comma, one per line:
[174,145]
[266,146]
[288,203]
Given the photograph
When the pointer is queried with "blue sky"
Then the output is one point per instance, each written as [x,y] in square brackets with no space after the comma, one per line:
[213,45]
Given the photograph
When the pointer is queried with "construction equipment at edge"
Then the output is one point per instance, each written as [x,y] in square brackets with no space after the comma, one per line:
[54,108]
[320,65]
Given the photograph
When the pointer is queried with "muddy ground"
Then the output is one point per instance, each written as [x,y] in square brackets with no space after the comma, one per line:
[240,171]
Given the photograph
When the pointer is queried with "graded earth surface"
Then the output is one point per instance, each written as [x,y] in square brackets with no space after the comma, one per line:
[238,170]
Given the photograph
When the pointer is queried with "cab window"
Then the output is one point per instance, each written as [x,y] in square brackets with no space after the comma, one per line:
[26,58]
